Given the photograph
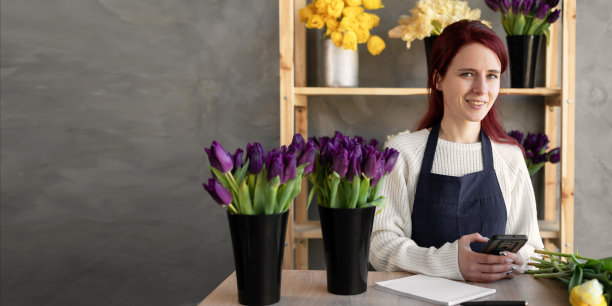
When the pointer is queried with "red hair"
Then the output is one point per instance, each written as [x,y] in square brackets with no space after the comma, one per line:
[447,45]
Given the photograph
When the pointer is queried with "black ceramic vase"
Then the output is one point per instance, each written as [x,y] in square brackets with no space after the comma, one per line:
[429,42]
[258,242]
[523,53]
[346,240]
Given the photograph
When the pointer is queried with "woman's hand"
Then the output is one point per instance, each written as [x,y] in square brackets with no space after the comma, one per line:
[479,267]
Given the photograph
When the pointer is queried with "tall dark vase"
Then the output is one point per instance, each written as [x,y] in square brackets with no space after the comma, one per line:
[258,242]
[523,53]
[429,42]
[346,240]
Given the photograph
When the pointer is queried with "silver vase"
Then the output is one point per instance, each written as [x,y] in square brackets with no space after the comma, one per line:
[341,66]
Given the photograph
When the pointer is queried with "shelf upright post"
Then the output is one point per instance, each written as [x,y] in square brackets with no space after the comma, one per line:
[285,29]
[568,125]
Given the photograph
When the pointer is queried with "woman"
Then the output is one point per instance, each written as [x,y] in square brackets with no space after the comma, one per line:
[459,178]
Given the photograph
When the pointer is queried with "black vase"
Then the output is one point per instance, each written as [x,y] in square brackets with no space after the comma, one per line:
[258,242]
[429,42]
[346,240]
[523,53]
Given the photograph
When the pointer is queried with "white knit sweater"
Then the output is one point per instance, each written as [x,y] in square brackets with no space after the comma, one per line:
[392,249]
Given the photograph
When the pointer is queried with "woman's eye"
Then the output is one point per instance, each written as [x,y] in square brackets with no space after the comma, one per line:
[492,76]
[467,74]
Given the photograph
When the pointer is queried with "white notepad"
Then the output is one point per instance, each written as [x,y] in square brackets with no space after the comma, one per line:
[434,289]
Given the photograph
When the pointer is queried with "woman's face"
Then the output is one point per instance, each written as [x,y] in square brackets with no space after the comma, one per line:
[471,84]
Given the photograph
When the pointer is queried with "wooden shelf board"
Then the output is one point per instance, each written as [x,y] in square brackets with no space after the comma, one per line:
[381,91]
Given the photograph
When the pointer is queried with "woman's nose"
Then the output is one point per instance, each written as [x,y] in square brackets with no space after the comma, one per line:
[480,85]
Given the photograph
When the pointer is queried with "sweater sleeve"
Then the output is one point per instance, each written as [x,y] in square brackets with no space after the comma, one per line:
[522,215]
[391,248]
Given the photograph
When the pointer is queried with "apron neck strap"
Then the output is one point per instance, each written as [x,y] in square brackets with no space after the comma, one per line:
[432,143]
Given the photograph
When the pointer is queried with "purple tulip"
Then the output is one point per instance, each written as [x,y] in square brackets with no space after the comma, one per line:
[493,5]
[219,158]
[554,15]
[328,153]
[341,162]
[379,173]
[374,143]
[359,140]
[539,158]
[237,158]
[554,156]
[308,156]
[531,142]
[289,164]
[517,135]
[542,11]
[274,165]
[516,4]
[390,156]
[526,8]
[255,154]
[529,154]
[218,192]
[542,142]
[354,164]
[371,162]
[504,6]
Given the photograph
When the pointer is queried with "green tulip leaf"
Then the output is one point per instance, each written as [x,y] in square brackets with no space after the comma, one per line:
[271,190]
[259,197]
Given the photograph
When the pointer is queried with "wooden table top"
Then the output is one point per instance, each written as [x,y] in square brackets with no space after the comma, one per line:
[309,287]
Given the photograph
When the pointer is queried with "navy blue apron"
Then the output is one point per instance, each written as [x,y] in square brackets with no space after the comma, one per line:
[448,207]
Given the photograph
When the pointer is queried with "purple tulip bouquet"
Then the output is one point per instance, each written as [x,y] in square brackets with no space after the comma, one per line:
[348,172]
[526,17]
[535,146]
[264,183]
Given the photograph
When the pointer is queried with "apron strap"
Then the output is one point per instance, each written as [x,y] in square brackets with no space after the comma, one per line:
[430,149]
[432,143]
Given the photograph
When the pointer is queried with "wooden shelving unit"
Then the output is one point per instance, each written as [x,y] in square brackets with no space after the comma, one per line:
[557,227]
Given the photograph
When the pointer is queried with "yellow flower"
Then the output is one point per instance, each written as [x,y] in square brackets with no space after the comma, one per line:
[348,24]
[588,294]
[351,12]
[375,45]
[372,4]
[315,22]
[349,41]
[305,13]
[362,35]
[336,38]
[352,2]
[331,24]
[334,9]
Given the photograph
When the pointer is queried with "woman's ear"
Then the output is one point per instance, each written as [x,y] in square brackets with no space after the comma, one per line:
[437,81]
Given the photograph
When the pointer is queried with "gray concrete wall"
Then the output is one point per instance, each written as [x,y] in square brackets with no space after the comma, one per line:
[107,104]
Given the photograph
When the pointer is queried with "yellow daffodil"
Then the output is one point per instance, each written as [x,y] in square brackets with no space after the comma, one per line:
[348,24]
[362,35]
[315,22]
[352,2]
[349,41]
[331,24]
[375,45]
[372,4]
[588,294]
[336,38]
[334,9]
[351,12]
[305,13]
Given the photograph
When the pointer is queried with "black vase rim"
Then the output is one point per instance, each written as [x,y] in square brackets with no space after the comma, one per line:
[256,215]
[348,209]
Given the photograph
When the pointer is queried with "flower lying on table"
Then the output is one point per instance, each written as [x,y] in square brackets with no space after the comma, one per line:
[265,183]
[535,146]
[349,172]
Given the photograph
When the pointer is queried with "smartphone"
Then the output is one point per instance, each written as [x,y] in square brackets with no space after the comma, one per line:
[499,243]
